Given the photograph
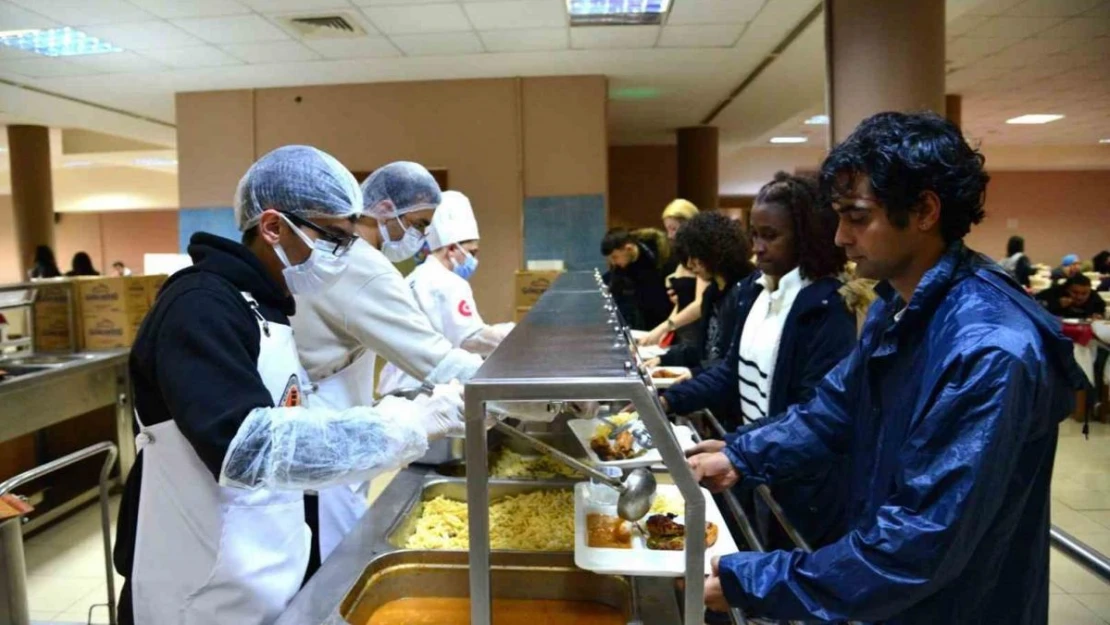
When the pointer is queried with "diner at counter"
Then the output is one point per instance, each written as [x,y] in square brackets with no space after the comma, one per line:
[947,410]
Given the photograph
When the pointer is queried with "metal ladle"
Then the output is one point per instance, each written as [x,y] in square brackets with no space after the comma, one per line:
[635,491]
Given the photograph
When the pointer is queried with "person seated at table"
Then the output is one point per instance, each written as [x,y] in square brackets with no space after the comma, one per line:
[715,249]
[639,261]
[1016,263]
[1101,263]
[1073,299]
[794,327]
[1069,267]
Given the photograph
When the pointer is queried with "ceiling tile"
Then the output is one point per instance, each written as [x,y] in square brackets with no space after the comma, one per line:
[385,3]
[361,48]
[44,68]
[171,9]
[300,6]
[530,40]
[965,50]
[144,35]
[236,29]
[193,56]
[517,14]
[16,18]
[12,53]
[721,36]
[1102,10]
[117,63]
[1079,28]
[438,44]
[86,12]
[613,37]
[1012,27]
[713,12]
[430,18]
[963,24]
[993,7]
[1053,8]
[272,52]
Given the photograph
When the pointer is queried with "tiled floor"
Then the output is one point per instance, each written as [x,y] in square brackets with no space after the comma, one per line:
[66,576]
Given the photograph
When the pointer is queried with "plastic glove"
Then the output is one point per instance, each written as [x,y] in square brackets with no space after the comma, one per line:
[441,413]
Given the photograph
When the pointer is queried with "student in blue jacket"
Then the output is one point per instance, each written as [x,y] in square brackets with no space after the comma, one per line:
[792,328]
[947,410]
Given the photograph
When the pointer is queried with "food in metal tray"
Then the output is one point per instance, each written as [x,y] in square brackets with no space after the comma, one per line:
[664,533]
[506,463]
[537,521]
[608,532]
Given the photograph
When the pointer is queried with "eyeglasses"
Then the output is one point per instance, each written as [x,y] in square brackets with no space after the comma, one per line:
[341,240]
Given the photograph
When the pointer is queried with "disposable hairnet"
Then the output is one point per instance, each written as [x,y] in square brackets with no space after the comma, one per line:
[314,448]
[297,179]
[453,222]
[399,188]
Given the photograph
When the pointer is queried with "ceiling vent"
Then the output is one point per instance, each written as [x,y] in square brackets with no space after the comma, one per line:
[333,26]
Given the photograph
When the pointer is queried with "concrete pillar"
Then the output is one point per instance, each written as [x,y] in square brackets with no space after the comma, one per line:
[953,108]
[697,166]
[882,56]
[32,190]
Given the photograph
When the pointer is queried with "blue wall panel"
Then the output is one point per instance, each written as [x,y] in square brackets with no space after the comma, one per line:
[567,228]
[218,221]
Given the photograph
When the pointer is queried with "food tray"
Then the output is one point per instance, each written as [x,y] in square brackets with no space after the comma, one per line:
[584,430]
[639,560]
[667,382]
[647,352]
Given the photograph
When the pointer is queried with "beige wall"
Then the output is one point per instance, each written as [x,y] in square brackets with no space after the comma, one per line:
[643,179]
[480,131]
[98,189]
[9,245]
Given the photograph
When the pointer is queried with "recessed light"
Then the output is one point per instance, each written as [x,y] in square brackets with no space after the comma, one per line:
[1104,140]
[155,162]
[1035,118]
[56,42]
[617,12]
[789,139]
[818,120]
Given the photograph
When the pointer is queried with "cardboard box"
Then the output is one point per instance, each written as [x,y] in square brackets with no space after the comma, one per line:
[112,309]
[153,285]
[107,295]
[520,313]
[51,319]
[111,330]
[530,285]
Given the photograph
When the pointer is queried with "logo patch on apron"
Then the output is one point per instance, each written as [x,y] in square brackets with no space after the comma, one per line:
[291,398]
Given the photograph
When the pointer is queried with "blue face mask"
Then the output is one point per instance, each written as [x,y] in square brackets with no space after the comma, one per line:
[466,268]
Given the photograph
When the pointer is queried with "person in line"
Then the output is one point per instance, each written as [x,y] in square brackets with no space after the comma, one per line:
[120,269]
[1100,264]
[44,265]
[638,261]
[442,291]
[684,288]
[1016,263]
[1074,299]
[715,249]
[370,312]
[794,327]
[1069,267]
[82,266]
[947,410]
[214,526]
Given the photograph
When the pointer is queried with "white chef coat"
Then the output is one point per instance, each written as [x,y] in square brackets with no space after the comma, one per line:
[759,342]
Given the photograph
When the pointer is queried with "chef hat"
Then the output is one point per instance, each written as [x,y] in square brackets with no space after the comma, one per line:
[299,180]
[1070,259]
[453,222]
[398,188]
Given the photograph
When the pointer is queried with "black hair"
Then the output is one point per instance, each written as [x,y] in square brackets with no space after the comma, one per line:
[249,235]
[1016,245]
[1078,280]
[83,265]
[615,239]
[1101,262]
[814,225]
[45,264]
[905,155]
[718,242]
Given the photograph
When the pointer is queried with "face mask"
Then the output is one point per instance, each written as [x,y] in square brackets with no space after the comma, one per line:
[321,270]
[406,248]
[466,268]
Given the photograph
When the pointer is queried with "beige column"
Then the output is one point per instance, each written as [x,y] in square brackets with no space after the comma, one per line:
[882,56]
[953,108]
[697,166]
[32,190]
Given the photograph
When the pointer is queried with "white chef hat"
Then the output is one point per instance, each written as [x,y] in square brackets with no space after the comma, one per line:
[453,222]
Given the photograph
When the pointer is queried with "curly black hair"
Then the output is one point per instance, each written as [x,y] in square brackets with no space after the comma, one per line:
[905,155]
[814,225]
[718,242]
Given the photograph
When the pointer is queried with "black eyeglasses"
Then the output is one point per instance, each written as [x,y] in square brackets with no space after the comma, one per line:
[341,240]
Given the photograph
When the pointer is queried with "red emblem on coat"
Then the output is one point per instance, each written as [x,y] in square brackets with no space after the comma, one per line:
[464,309]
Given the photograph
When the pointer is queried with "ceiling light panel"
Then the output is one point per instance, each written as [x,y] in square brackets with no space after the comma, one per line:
[1035,118]
[57,42]
[788,140]
[617,12]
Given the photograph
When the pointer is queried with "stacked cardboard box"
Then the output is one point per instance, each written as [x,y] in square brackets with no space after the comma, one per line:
[108,312]
[51,318]
[530,285]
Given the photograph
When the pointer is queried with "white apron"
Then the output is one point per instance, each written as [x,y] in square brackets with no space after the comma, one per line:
[210,555]
[342,506]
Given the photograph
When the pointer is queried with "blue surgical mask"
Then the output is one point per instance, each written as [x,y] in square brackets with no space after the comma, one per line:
[466,268]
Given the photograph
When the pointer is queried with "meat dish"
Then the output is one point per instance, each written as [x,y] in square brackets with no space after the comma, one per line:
[664,533]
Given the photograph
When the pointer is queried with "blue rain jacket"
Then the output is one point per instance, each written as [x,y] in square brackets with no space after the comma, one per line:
[949,417]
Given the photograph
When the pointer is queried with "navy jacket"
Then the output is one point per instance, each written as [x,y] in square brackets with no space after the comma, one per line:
[698,355]
[949,416]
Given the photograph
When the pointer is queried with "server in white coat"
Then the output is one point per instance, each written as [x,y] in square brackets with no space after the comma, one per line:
[441,288]
[215,526]
[370,312]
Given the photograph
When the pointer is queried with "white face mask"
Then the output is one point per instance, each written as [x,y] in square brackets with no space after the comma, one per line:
[319,271]
[406,248]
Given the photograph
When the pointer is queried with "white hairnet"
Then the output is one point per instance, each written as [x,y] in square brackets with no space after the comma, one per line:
[297,179]
[399,188]
[453,222]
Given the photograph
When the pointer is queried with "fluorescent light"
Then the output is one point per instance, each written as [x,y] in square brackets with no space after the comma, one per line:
[789,139]
[155,162]
[77,164]
[818,120]
[1104,140]
[56,42]
[617,12]
[1034,118]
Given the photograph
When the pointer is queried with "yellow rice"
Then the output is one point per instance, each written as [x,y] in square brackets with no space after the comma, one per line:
[539,521]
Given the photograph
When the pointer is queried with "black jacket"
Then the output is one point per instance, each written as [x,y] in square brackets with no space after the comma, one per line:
[640,289]
[717,329]
[1050,299]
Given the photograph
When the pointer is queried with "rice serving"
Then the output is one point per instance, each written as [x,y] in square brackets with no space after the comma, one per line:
[539,521]
[506,463]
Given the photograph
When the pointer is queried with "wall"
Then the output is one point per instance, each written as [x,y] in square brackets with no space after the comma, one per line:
[113,188]
[643,179]
[9,245]
[115,235]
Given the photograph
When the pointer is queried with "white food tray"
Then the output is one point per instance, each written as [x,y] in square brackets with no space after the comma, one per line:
[647,352]
[667,382]
[584,429]
[639,560]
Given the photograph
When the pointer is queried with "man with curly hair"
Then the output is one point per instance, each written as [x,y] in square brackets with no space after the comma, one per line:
[947,410]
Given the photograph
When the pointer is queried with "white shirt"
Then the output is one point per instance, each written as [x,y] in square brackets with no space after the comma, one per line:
[759,341]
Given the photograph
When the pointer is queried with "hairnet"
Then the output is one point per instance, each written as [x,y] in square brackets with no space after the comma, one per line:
[399,188]
[296,179]
[1070,259]
[453,222]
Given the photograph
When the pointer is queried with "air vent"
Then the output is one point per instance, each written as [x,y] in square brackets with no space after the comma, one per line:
[334,26]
